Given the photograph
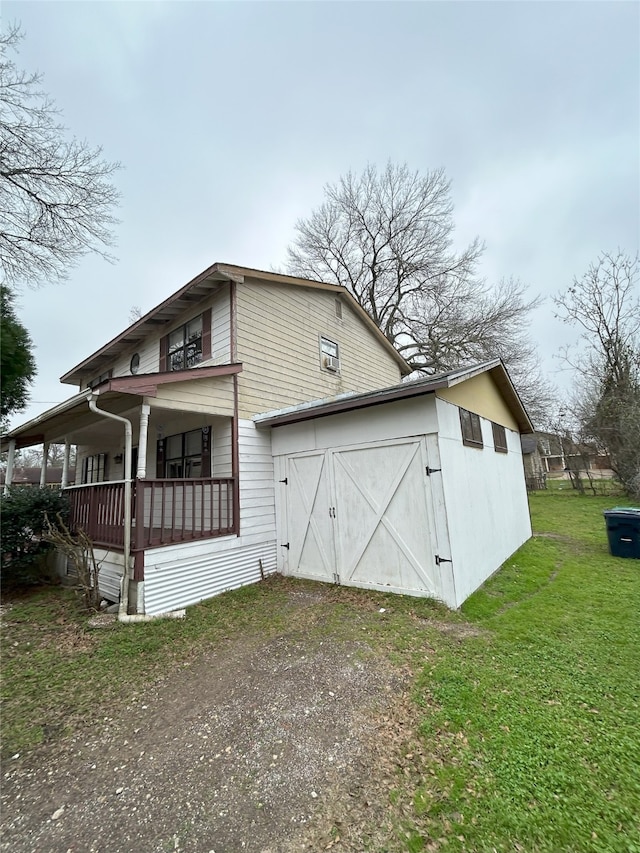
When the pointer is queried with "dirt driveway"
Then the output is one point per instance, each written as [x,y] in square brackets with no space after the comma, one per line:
[257,746]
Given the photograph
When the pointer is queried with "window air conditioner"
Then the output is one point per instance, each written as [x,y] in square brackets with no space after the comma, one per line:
[332,363]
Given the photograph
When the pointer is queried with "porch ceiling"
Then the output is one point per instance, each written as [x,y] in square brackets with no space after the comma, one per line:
[70,419]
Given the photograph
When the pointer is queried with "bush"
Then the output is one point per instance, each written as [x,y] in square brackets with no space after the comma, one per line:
[24,551]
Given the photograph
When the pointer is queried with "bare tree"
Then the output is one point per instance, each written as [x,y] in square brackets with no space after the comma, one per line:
[605,305]
[32,457]
[388,238]
[77,547]
[56,195]
[135,313]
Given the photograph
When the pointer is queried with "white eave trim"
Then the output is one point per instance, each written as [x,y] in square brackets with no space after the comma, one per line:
[83,396]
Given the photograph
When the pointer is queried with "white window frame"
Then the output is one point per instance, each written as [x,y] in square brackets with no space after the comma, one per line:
[329,350]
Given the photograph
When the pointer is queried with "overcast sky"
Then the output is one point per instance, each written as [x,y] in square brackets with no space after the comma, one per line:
[229,118]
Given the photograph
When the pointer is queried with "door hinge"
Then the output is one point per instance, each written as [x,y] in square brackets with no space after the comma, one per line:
[332,512]
[286,545]
[442,560]
[336,579]
[431,471]
[285,481]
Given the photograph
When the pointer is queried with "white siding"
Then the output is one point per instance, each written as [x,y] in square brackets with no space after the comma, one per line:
[257,501]
[220,328]
[375,423]
[279,329]
[110,574]
[486,501]
[221,463]
[179,575]
[213,395]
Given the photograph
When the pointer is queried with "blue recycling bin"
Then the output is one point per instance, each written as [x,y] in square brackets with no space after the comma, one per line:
[623,531]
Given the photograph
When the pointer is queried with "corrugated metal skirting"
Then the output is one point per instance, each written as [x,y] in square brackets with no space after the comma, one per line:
[179,579]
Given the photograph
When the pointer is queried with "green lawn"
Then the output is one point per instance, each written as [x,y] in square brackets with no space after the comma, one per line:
[526,715]
[538,724]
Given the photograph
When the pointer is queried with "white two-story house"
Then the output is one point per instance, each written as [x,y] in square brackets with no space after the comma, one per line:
[179,473]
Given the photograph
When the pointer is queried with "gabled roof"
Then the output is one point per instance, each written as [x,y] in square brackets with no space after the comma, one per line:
[415,388]
[161,317]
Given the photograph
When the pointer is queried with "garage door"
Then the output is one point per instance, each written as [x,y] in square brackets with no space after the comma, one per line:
[362,516]
[311,551]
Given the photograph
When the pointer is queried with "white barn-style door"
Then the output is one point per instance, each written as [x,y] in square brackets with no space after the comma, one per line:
[309,517]
[363,516]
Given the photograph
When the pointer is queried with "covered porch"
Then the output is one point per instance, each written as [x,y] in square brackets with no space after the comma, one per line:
[151,471]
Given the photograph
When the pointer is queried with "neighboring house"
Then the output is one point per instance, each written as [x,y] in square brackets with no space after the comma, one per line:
[32,477]
[535,472]
[547,453]
[248,395]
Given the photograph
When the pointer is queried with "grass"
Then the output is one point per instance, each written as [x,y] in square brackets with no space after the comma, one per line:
[600,486]
[526,718]
[536,730]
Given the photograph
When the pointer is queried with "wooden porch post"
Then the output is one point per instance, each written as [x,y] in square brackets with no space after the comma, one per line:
[43,469]
[65,464]
[8,476]
[141,472]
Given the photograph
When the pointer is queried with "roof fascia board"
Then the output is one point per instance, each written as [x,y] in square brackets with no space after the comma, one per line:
[507,388]
[147,383]
[466,373]
[357,401]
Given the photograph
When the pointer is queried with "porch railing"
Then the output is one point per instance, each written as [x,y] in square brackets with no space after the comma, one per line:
[172,511]
[164,512]
[99,510]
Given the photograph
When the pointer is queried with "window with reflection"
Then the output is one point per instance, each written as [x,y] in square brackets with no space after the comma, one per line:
[186,455]
[185,345]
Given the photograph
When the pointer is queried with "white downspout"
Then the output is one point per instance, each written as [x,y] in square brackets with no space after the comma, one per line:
[128,435]
[8,476]
[123,616]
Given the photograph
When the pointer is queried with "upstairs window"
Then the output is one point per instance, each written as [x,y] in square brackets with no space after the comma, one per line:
[499,438]
[185,345]
[329,355]
[94,468]
[471,429]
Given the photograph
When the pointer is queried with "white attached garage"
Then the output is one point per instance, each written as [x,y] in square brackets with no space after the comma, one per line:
[381,491]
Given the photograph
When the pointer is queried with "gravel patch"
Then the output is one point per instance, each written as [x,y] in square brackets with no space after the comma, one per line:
[240,750]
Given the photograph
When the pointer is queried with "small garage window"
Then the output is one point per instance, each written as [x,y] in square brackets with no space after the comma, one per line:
[499,438]
[471,429]
[329,355]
